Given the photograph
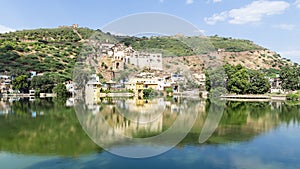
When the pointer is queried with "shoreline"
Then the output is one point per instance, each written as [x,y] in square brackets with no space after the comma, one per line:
[17,95]
[229,97]
[253,97]
[101,95]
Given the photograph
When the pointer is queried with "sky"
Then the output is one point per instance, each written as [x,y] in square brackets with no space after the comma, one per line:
[274,24]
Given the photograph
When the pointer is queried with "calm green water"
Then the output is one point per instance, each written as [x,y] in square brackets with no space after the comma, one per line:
[47,134]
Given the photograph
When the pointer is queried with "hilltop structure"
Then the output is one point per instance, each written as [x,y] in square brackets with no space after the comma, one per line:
[121,55]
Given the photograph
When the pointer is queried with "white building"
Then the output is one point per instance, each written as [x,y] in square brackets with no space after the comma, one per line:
[148,60]
[122,54]
[200,80]
[276,85]
[5,82]
[106,49]
[164,82]
[70,86]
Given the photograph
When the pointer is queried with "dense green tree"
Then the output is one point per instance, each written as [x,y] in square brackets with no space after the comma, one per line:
[17,72]
[229,69]
[42,84]
[148,92]
[60,90]
[290,77]
[259,84]
[239,82]
[243,81]
[21,83]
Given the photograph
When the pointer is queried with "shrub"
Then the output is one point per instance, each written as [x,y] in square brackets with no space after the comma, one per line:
[292,96]
[148,93]
[169,90]
[60,90]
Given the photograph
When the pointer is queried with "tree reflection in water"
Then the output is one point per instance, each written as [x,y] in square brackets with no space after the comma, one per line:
[56,130]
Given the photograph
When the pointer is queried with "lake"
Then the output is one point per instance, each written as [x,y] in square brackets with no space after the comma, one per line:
[46,133]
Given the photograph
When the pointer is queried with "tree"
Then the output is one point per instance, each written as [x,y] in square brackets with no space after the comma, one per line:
[239,82]
[215,81]
[259,84]
[42,84]
[207,81]
[243,81]
[21,83]
[17,72]
[290,77]
[230,69]
[215,78]
[148,93]
[60,90]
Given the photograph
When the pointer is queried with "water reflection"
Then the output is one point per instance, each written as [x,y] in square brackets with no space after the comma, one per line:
[137,127]
[47,127]
[42,127]
[5,108]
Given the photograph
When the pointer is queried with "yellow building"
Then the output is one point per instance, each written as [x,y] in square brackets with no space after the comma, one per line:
[139,101]
[139,89]
[139,84]
[92,92]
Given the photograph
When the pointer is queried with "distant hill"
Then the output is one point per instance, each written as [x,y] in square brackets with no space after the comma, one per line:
[55,50]
[198,52]
[185,46]
[42,50]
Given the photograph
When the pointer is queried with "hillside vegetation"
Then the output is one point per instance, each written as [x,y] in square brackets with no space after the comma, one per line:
[41,50]
[185,46]
[55,50]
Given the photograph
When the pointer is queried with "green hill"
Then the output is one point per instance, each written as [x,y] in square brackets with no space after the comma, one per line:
[42,50]
[55,50]
[185,46]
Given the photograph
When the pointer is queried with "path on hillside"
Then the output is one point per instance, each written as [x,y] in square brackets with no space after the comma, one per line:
[92,63]
[75,31]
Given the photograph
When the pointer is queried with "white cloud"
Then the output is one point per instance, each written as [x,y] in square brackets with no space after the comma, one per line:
[256,10]
[4,29]
[251,13]
[297,3]
[288,27]
[216,1]
[216,18]
[189,1]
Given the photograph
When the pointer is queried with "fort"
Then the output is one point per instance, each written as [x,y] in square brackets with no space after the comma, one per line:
[121,55]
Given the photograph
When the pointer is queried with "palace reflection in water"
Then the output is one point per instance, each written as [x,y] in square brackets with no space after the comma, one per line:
[131,116]
[49,127]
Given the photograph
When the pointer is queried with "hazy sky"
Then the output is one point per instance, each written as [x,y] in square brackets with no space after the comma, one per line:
[271,24]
